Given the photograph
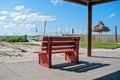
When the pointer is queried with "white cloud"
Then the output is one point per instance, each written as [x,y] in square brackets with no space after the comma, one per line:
[25,15]
[2,18]
[55,1]
[26,11]
[3,12]
[14,14]
[19,7]
[10,25]
[34,17]
[112,15]
[48,18]
[1,24]
[19,18]
[21,14]
[29,26]
[22,19]
[38,17]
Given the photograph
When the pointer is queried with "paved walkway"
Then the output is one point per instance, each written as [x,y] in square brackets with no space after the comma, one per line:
[103,65]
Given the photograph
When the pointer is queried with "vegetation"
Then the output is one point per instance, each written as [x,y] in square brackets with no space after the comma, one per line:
[14,39]
[102,45]
[36,38]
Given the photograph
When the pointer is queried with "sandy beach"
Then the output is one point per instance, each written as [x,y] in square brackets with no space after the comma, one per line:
[16,52]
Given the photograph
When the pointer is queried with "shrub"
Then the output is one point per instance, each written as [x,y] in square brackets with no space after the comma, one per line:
[14,39]
[36,38]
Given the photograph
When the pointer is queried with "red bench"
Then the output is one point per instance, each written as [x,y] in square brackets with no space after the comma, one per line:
[55,45]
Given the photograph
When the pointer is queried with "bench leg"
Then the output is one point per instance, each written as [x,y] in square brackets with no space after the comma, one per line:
[71,57]
[44,60]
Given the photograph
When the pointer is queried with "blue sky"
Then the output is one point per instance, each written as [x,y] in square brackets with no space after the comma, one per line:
[20,17]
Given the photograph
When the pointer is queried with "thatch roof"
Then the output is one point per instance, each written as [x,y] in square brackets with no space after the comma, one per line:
[100,27]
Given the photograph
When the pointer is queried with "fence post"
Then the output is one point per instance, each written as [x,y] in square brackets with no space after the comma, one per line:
[116,34]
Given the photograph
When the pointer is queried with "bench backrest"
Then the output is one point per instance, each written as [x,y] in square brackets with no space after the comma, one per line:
[59,43]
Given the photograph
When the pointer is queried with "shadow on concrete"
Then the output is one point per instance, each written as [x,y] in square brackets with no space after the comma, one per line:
[83,66]
[105,57]
[112,76]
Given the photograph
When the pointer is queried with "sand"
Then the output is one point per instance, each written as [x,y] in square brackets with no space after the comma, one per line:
[14,52]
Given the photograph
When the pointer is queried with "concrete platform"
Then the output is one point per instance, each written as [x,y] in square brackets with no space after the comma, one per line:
[103,65]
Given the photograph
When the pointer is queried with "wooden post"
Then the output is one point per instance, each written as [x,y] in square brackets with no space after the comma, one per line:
[89,28]
[25,37]
[116,34]
[44,30]
[77,50]
[72,31]
[49,52]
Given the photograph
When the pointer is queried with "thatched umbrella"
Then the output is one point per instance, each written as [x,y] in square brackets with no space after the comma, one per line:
[100,27]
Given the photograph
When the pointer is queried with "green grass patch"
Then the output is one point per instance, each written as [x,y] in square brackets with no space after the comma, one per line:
[101,45]
[14,39]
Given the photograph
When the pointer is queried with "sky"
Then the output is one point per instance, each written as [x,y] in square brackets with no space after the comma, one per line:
[27,17]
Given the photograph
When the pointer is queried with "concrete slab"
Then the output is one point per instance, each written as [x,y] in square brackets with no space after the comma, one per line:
[7,74]
[101,66]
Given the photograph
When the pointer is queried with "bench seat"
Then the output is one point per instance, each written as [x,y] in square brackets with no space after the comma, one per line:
[55,45]
[57,51]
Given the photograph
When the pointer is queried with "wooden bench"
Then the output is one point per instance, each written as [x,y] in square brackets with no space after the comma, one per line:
[55,45]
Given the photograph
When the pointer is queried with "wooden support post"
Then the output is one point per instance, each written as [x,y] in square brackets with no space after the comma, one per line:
[49,52]
[89,28]
[116,34]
